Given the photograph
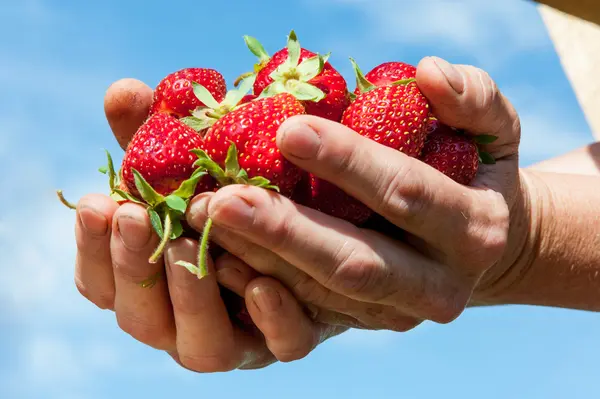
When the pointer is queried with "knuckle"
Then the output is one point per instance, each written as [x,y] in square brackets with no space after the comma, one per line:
[309,291]
[447,307]
[208,363]
[294,354]
[400,197]
[103,300]
[356,272]
[402,323]
[152,335]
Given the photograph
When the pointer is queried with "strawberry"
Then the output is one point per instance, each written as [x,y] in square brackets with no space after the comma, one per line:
[158,172]
[307,75]
[386,74]
[395,115]
[325,197]
[174,94]
[455,154]
[240,148]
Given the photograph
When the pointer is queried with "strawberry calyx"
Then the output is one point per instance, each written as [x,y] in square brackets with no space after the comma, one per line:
[204,117]
[231,174]
[364,85]
[293,77]
[259,51]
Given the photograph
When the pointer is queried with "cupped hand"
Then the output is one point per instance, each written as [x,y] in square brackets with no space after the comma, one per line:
[195,321]
[455,245]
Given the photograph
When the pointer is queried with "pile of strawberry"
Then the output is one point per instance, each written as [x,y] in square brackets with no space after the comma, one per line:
[199,136]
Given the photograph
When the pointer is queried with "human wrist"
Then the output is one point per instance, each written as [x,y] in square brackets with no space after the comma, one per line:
[521,250]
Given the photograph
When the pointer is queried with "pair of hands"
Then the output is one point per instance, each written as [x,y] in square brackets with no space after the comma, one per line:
[306,276]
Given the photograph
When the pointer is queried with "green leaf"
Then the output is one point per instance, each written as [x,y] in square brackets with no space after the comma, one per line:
[277,87]
[485,139]
[232,166]
[361,81]
[486,158]
[305,91]
[352,96]
[191,268]
[103,170]
[117,197]
[403,82]
[294,50]
[205,163]
[198,124]
[233,97]
[176,203]
[112,176]
[127,196]
[204,95]
[151,197]
[188,187]
[156,222]
[310,68]
[260,181]
[177,229]
[257,49]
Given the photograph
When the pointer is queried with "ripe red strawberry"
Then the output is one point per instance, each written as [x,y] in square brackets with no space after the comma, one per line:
[388,73]
[303,73]
[250,131]
[325,197]
[240,148]
[247,98]
[395,115]
[158,172]
[455,154]
[174,94]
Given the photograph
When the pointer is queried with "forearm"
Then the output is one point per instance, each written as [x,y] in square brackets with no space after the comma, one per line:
[584,161]
[558,261]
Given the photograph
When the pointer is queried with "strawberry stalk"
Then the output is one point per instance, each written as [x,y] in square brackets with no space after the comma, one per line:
[232,174]
[64,201]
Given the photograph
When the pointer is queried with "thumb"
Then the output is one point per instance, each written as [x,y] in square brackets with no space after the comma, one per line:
[466,97]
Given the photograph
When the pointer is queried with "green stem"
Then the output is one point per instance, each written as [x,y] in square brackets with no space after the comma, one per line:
[62,199]
[242,77]
[203,251]
[167,231]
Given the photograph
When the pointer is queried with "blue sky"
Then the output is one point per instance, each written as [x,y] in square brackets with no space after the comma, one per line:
[58,58]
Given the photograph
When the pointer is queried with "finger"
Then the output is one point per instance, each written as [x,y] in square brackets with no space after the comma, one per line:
[126,105]
[143,312]
[234,274]
[404,190]
[364,266]
[205,335]
[289,333]
[241,274]
[466,97]
[93,268]
[332,307]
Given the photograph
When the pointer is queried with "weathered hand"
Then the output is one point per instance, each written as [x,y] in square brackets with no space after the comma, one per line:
[457,237]
[187,317]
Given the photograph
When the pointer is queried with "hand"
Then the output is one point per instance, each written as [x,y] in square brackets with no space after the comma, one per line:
[187,317]
[458,239]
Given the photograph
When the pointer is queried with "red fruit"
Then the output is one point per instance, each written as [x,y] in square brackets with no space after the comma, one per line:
[388,73]
[453,153]
[395,116]
[307,75]
[160,152]
[252,129]
[325,197]
[175,95]
[247,98]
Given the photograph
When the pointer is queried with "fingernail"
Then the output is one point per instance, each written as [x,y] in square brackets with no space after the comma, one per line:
[197,212]
[300,140]
[134,233]
[266,299]
[93,221]
[453,76]
[232,211]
